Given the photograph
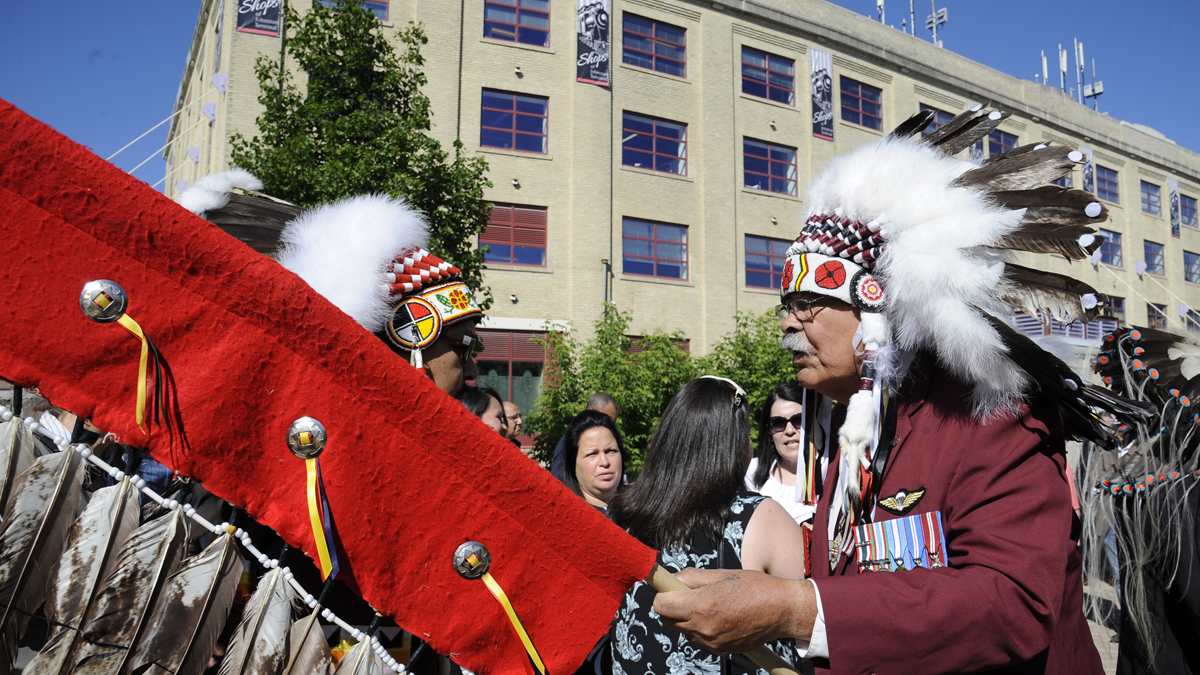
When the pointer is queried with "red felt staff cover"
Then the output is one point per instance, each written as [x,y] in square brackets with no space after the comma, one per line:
[409,473]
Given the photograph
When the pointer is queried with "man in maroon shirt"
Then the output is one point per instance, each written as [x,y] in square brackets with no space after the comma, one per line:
[944,540]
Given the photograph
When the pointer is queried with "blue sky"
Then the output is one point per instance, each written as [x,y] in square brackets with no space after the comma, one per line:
[104,72]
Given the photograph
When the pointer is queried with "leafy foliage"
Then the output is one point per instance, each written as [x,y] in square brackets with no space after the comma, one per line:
[360,124]
[643,383]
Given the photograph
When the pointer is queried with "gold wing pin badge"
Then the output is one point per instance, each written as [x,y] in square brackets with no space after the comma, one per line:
[902,502]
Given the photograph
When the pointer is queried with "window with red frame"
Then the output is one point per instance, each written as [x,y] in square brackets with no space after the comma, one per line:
[655,144]
[512,364]
[768,76]
[862,104]
[1187,210]
[523,21]
[514,121]
[1151,199]
[515,235]
[1000,142]
[768,167]
[764,261]
[940,117]
[654,45]
[1156,316]
[1154,257]
[377,7]
[654,249]
[1115,309]
[1107,187]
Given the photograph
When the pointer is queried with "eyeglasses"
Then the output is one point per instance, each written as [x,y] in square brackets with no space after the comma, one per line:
[778,424]
[739,394]
[803,309]
[466,346]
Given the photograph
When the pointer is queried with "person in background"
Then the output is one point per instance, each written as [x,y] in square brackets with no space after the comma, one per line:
[515,422]
[780,466]
[593,449]
[485,403]
[690,502]
[601,402]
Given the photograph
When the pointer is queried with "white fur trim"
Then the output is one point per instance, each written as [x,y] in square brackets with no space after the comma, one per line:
[856,434]
[938,267]
[212,192]
[342,250]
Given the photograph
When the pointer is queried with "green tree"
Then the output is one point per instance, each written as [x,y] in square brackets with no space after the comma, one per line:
[641,383]
[360,124]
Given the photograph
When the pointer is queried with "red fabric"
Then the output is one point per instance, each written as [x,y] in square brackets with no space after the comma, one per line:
[1012,599]
[410,474]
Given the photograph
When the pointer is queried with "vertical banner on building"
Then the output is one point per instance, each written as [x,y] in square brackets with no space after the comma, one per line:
[822,94]
[1173,195]
[1089,170]
[591,64]
[259,16]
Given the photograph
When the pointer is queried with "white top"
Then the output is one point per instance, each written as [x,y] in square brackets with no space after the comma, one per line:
[784,494]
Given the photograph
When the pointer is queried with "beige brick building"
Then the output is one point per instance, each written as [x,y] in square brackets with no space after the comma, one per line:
[576,193]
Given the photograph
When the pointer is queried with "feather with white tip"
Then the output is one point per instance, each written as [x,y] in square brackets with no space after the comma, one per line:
[96,538]
[1033,290]
[1189,358]
[946,131]
[190,613]
[259,646]
[360,660]
[39,514]
[119,614]
[16,455]
[1021,168]
[309,653]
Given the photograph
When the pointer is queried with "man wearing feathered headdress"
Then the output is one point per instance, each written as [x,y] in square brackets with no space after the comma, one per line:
[944,540]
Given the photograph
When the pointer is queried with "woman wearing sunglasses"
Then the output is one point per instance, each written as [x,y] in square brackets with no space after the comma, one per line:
[691,503]
[779,467]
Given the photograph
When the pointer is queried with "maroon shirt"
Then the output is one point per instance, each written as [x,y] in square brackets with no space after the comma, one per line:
[1011,597]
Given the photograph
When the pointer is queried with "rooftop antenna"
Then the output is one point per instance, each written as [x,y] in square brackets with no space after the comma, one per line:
[1045,69]
[882,15]
[1094,89]
[938,18]
[912,17]
[1079,69]
[1062,67]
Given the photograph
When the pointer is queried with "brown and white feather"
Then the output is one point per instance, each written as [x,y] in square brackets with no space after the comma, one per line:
[259,645]
[309,653]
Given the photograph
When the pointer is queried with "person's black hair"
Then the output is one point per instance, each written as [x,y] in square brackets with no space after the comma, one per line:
[768,454]
[695,467]
[477,399]
[588,419]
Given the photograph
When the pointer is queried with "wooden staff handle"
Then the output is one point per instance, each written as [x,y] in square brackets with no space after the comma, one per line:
[762,656]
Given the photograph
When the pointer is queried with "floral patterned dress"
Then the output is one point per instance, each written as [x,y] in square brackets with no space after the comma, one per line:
[643,645]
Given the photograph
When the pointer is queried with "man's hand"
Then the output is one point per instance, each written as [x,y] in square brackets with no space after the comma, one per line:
[731,611]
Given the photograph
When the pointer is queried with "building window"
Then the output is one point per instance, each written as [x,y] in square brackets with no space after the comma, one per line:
[523,21]
[940,117]
[512,364]
[654,144]
[1154,257]
[1191,319]
[862,104]
[1110,250]
[1156,316]
[515,235]
[654,45]
[1187,210]
[1151,199]
[768,76]
[1065,181]
[769,167]
[1000,142]
[514,121]
[1115,308]
[764,261]
[377,7]
[1106,184]
[654,249]
[1191,267]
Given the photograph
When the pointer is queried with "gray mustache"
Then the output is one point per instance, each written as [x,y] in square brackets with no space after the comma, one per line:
[796,343]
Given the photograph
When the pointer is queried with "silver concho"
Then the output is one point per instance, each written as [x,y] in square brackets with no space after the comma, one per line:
[103,301]
[468,568]
[306,438]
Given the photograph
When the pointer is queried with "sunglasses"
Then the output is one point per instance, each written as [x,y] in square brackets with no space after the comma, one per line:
[778,424]
[465,346]
[739,394]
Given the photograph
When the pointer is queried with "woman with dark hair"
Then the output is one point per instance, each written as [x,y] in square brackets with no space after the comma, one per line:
[690,502]
[486,404]
[594,458]
[779,470]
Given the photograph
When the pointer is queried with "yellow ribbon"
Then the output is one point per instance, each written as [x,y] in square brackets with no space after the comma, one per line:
[133,327]
[516,622]
[314,517]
